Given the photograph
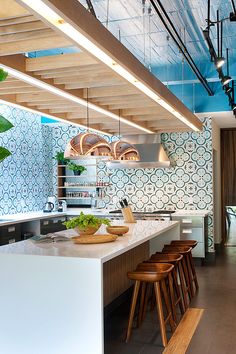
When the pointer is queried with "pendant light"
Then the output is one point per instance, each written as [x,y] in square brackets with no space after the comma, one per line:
[88,145]
[124,151]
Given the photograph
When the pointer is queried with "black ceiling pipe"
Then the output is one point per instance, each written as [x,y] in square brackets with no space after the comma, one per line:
[91,8]
[180,44]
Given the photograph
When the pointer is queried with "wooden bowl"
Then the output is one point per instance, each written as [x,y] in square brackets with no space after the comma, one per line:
[84,232]
[117,230]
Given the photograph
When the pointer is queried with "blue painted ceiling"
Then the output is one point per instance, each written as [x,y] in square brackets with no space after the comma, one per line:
[139,28]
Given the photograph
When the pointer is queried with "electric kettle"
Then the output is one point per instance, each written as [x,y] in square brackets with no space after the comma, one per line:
[48,207]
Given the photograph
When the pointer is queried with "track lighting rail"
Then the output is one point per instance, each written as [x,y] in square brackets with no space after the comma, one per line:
[158,7]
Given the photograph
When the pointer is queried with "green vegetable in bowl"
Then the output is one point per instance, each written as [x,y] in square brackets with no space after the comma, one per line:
[84,221]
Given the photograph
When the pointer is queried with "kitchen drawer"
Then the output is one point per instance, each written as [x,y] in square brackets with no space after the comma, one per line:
[10,234]
[45,226]
[189,233]
[194,221]
[52,225]
[57,224]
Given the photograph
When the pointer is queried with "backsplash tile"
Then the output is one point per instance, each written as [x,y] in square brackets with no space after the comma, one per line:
[185,185]
[26,176]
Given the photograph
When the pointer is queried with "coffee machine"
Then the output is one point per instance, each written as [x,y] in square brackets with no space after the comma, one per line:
[62,206]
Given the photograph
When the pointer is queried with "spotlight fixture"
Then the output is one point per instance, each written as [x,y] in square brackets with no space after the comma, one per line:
[219,62]
[228,89]
[226,80]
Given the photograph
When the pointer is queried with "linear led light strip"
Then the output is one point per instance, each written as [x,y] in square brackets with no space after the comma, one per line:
[42,85]
[51,117]
[51,16]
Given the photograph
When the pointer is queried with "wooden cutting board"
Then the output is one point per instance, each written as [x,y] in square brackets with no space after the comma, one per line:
[94,239]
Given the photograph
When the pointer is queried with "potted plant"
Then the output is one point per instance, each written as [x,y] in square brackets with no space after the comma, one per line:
[86,224]
[5,125]
[60,158]
[77,169]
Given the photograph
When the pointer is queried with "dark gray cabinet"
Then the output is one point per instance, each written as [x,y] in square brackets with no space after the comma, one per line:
[52,225]
[10,234]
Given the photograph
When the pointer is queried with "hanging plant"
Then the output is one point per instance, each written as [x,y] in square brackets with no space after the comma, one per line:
[5,125]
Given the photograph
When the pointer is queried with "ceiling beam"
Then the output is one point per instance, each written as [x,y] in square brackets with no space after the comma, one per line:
[15,20]
[32,45]
[62,62]
[18,63]
[74,14]
[10,8]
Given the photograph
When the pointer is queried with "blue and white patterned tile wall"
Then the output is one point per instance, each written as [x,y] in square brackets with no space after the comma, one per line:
[26,176]
[187,184]
[29,176]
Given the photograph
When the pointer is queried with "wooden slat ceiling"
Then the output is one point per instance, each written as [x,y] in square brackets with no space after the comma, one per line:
[22,32]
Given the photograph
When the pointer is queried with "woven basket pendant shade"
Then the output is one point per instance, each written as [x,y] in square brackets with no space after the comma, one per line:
[88,145]
[123,150]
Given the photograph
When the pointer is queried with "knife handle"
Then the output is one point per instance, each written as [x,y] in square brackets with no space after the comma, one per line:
[125,202]
[122,204]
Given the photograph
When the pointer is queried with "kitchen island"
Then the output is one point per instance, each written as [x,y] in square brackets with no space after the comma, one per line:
[52,295]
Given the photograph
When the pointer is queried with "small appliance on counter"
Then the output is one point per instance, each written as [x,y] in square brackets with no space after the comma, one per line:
[48,207]
[62,206]
[53,201]
[127,212]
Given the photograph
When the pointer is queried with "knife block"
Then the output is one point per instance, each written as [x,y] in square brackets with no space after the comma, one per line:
[128,215]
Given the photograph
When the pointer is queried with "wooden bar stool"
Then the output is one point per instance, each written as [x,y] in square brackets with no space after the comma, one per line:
[145,291]
[156,275]
[193,244]
[183,250]
[176,298]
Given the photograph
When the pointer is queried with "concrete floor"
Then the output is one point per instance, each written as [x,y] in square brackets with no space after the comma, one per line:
[215,333]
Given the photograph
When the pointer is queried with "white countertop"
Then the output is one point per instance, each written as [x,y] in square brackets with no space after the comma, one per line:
[140,232]
[37,215]
[200,213]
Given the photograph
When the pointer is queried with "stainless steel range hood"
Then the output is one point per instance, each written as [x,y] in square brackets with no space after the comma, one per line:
[152,153]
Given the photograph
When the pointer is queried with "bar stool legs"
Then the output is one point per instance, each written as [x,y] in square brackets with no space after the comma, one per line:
[192,244]
[153,274]
[132,309]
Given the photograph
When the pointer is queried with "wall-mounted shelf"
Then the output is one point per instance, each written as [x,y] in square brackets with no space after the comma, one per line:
[86,187]
[86,198]
[88,184]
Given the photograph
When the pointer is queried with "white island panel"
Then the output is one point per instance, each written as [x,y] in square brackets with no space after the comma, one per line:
[50,305]
[52,294]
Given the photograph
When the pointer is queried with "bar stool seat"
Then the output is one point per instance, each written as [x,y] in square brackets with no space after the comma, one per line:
[152,273]
[190,243]
[193,244]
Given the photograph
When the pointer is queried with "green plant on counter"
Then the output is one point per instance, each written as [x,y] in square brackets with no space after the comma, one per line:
[5,125]
[84,221]
[76,168]
[60,158]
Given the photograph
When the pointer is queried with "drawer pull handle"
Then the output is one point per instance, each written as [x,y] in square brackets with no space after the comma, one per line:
[11,229]
[11,240]
[187,231]
[187,221]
